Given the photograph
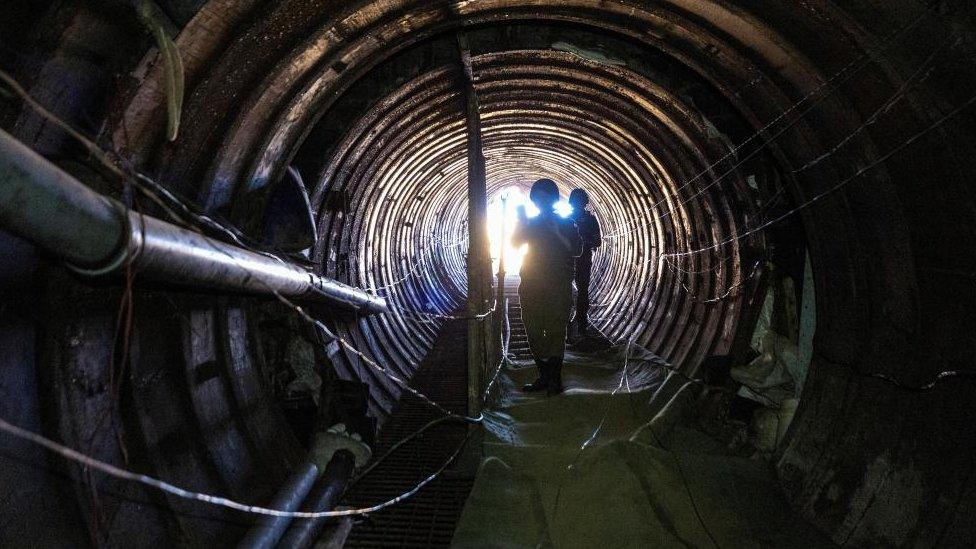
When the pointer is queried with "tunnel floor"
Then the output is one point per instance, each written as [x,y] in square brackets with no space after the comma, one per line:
[428,518]
[588,469]
[583,469]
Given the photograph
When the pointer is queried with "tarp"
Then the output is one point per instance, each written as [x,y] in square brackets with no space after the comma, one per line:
[585,469]
[775,378]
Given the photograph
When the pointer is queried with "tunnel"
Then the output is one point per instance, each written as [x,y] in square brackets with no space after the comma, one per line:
[726,146]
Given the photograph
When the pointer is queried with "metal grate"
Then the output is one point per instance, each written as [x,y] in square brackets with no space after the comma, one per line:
[429,518]
[518,345]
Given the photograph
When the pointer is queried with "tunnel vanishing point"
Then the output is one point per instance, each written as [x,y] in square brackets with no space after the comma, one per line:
[227,221]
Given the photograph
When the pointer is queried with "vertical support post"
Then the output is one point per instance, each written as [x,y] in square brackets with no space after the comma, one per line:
[480,346]
[500,299]
[501,248]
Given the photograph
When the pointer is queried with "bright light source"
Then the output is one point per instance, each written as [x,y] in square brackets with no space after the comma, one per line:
[514,197]
[563,209]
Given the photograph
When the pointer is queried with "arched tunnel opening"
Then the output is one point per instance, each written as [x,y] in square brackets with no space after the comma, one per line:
[787,210]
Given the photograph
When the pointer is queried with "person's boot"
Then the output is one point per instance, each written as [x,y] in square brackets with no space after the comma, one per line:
[554,382]
[542,382]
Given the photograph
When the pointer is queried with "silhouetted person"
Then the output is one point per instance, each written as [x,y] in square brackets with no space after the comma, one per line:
[546,288]
[589,231]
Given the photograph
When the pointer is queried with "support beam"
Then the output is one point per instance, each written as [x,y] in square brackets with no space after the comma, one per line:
[96,236]
[480,347]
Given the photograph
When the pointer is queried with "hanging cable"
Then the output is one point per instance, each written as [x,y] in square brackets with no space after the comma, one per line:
[122,474]
[866,57]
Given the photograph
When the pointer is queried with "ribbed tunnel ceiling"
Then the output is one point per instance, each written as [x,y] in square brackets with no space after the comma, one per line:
[634,134]
[688,121]
[633,145]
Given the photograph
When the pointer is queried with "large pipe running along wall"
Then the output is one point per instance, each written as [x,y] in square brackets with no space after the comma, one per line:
[99,237]
[870,462]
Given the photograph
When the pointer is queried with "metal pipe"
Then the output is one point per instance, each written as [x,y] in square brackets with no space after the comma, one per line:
[268,530]
[92,233]
[40,203]
[323,497]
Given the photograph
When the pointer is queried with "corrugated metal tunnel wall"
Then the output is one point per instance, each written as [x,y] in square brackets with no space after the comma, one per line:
[632,100]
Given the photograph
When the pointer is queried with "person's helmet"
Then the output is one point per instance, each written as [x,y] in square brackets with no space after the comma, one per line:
[578,198]
[544,194]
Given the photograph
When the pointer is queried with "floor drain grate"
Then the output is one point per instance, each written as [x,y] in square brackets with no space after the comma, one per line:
[429,518]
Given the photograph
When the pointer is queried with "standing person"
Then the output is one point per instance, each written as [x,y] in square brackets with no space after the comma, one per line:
[589,230]
[546,287]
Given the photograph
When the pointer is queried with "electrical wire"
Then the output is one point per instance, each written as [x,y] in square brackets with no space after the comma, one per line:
[415,263]
[603,421]
[433,423]
[867,56]
[687,487]
[143,182]
[98,153]
[477,316]
[681,473]
[392,449]
[885,107]
[860,172]
[728,293]
[71,454]
[123,474]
